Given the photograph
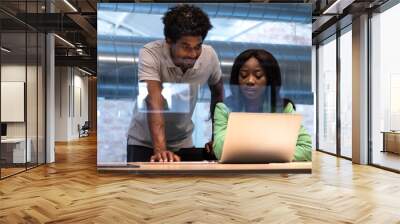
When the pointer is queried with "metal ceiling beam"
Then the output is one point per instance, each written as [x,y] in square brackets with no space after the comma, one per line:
[81,61]
[337,7]
[53,22]
[339,15]
[86,26]
[320,22]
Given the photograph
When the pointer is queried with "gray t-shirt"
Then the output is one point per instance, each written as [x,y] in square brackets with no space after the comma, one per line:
[155,63]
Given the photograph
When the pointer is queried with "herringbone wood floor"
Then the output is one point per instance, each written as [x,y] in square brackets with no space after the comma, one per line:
[71,191]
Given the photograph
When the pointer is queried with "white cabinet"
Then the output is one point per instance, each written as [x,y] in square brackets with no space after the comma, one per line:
[17,146]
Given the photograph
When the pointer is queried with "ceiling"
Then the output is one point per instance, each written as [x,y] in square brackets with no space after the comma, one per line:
[76,22]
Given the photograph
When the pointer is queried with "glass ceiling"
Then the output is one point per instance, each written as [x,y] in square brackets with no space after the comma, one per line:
[224,29]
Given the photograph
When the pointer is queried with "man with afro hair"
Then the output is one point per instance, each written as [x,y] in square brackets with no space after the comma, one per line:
[180,58]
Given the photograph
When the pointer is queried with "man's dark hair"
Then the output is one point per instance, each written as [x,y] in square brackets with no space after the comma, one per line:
[185,20]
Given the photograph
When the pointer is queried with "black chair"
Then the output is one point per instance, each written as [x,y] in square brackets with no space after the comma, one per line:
[84,130]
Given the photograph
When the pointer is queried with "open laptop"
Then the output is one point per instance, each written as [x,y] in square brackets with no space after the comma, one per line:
[260,137]
[257,138]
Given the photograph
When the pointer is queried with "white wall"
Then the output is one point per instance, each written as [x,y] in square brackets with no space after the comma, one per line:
[13,73]
[61,103]
[17,73]
[71,94]
[33,126]
[80,110]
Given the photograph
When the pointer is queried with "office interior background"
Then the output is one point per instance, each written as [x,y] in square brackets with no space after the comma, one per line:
[49,86]
[29,57]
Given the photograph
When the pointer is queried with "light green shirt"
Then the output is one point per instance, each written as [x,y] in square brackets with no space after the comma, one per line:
[303,150]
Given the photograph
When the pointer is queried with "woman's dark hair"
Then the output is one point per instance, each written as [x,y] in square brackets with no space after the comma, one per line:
[185,20]
[271,70]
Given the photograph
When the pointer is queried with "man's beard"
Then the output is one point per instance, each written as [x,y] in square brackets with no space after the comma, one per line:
[187,63]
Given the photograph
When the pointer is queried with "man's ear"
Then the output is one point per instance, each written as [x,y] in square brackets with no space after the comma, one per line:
[168,40]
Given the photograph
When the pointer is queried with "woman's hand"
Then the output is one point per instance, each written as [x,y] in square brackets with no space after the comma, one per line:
[208,147]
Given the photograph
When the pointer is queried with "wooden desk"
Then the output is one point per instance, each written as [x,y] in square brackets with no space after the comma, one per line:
[206,168]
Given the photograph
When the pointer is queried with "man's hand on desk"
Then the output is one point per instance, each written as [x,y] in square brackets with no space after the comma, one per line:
[164,156]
